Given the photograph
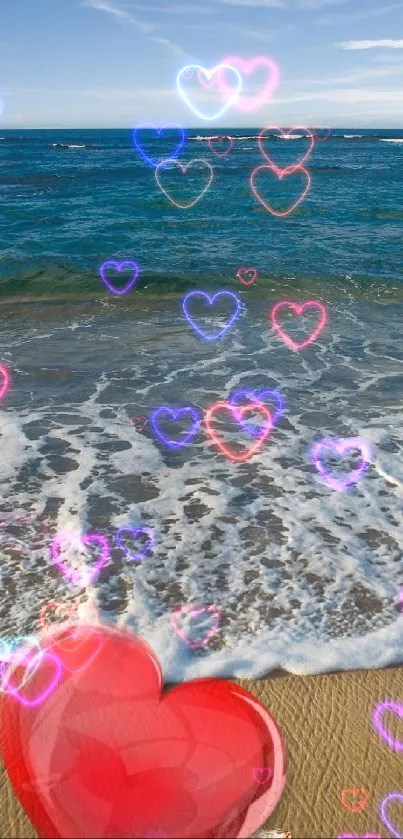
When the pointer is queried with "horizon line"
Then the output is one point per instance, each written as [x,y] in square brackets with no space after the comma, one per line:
[191,128]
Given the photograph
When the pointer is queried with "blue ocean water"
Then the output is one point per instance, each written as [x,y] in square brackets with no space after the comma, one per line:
[74,198]
[303,576]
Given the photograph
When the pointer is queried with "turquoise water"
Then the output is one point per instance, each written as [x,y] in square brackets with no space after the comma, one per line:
[72,199]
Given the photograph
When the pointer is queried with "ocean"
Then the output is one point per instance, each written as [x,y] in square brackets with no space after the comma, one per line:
[303,576]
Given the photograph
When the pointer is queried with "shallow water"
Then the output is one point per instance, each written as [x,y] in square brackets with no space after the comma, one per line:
[304,576]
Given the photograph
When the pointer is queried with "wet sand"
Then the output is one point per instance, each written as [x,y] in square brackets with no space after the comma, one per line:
[327,725]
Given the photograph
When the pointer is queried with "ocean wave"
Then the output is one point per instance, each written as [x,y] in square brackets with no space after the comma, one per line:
[391,140]
[70,146]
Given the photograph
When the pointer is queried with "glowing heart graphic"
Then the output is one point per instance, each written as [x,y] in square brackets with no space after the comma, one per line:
[163,168]
[249,273]
[395,708]
[321,133]
[119,266]
[70,610]
[394,796]
[268,170]
[176,444]
[168,126]
[286,135]
[354,799]
[262,775]
[210,74]
[195,613]
[13,654]
[77,578]
[139,423]
[138,760]
[363,836]
[5,382]
[238,413]
[259,396]
[139,556]
[214,140]
[193,294]
[77,647]
[341,448]
[251,103]
[26,693]
[299,309]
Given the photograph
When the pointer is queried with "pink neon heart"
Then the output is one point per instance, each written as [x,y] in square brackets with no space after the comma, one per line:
[75,577]
[226,151]
[279,175]
[299,308]
[184,170]
[194,613]
[238,413]
[284,134]
[5,383]
[250,103]
[251,273]
[319,137]
[341,448]
[31,682]
[77,647]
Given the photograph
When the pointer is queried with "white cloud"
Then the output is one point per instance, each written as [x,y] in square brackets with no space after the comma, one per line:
[346,95]
[319,4]
[367,45]
[354,17]
[263,4]
[174,48]
[176,9]
[119,14]
[126,17]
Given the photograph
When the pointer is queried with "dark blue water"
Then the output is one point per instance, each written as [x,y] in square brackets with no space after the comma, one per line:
[74,198]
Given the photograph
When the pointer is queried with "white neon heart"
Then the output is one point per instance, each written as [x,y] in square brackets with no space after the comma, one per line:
[209,74]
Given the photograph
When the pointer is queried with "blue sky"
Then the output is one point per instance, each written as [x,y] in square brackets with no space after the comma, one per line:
[113,63]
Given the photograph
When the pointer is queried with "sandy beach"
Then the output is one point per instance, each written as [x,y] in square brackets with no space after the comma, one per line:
[332,746]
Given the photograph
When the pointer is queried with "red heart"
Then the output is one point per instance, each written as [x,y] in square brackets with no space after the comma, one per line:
[307,133]
[280,175]
[139,426]
[251,273]
[359,796]
[238,413]
[107,756]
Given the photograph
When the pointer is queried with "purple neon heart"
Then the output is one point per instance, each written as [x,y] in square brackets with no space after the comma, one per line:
[211,301]
[119,266]
[341,448]
[259,396]
[384,817]
[152,160]
[173,444]
[138,556]
[395,708]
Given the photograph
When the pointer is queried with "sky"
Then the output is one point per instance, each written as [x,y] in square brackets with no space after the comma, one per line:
[113,63]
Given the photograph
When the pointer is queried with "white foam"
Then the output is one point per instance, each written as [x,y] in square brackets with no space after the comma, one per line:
[290,563]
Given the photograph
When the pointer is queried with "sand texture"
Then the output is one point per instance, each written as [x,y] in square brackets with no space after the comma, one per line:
[332,745]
